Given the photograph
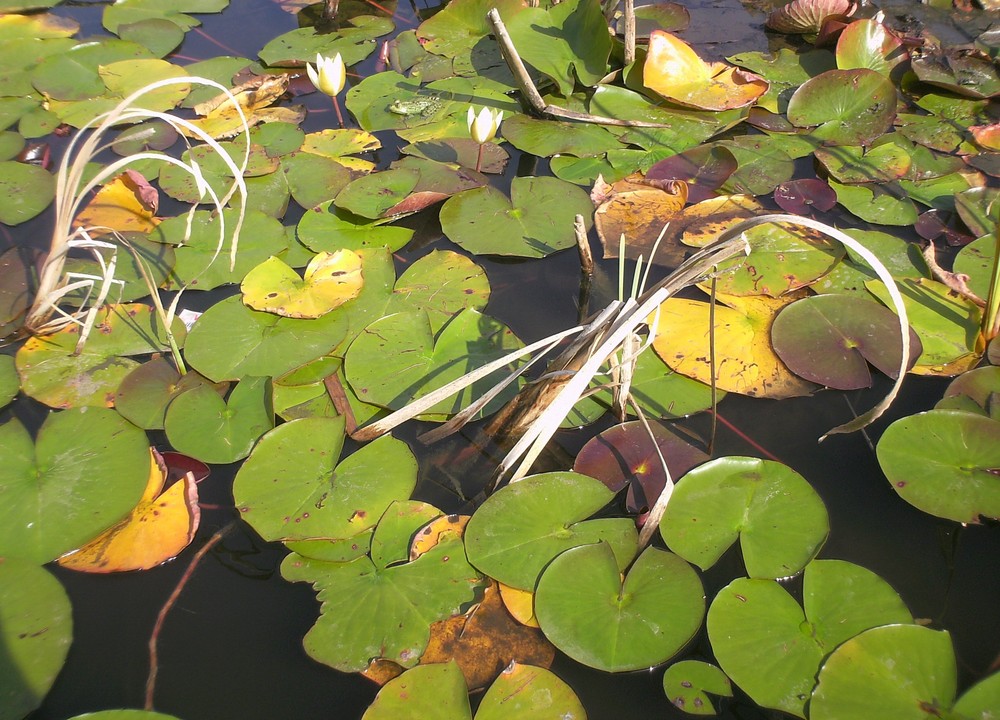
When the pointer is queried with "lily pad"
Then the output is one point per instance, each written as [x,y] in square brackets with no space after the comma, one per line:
[674,70]
[201,424]
[975,391]
[398,359]
[688,683]
[130,11]
[867,43]
[375,610]
[566,42]
[145,392]
[55,371]
[520,528]
[947,325]
[944,462]
[331,228]
[845,107]
[314,179]
[772,648]
[547,138]
[441,283]
[36,627]
[292,487]
[593,615]
[830,339]
[884,204]
[536,221]
[330,280]
[896,671]
[354,40]
[882,163]
[230,340]
[25,191]
[74,74]
[779,519]
[85,471]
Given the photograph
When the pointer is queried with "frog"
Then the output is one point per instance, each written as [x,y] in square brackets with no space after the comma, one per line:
[423,105]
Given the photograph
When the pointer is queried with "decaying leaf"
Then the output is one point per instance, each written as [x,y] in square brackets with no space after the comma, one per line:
[637,210]
[157,530]
[126,204]
[255,97]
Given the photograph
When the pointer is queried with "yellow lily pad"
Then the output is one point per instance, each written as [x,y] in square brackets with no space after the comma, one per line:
[674,70]
[330,280]
[745,362]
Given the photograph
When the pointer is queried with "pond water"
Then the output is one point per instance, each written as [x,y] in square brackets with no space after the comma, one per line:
[231,647]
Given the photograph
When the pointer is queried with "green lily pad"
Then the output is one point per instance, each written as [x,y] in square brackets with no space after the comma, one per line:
[772,648]
[132,249]
[85,471]
[435,690]
[979,701]
[25,190]
[145,392]
[55,372]
[782,259]
[896,671]
[845,107]
[590,613]
[74,74]
[945,463]
[131,11]
[441,283]
[292,488]
[373,610]
[314,179]
[462,24]
[373,196]
[301,401]
[937,192]
[975,391]
[947,325]
[688,683]
[963,72]
[525,692]
[230,340]
[160,35]
[779,519]
[979,209]
[331,228]
[201,424]
[566,42]
[519,529]
[125,714]
[202,258]
[547,138]
[847,164]
[784,71]
[830,339]
[36,628]
[903,259]
[884,204]
[398,359]
[762,165]
[354,40]
[277,138]
[536,221]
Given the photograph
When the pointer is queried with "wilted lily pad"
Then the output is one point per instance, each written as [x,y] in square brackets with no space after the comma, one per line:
[536,221]
[292,487]
[752,620]
[85,471]
[780,520]
[520,528]
[944,462]
[36,628]
[593,615]
[806,16]
[674,70]
[371,609]
[830,339]
[688,683]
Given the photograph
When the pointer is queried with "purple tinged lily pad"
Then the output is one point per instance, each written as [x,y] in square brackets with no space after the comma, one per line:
[806,16]
[800,197]
[830,339]
[625,455]
[704,169]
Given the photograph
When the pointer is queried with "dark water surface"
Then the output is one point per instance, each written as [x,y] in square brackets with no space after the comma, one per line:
[231,648]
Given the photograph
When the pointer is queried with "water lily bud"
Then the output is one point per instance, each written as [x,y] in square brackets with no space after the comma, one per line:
[483,127]
[329,75]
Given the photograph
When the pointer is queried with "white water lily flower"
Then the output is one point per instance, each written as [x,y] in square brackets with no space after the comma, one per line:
[329,75]
[483,127]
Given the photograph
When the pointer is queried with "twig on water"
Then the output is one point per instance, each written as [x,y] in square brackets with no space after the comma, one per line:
[154,663]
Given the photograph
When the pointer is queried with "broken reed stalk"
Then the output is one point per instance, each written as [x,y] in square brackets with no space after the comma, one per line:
[629,32]
[154,663]
[530,93]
